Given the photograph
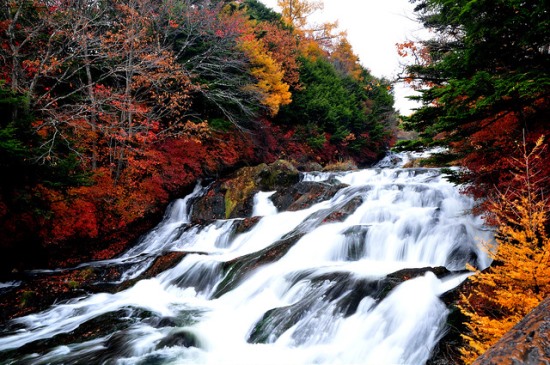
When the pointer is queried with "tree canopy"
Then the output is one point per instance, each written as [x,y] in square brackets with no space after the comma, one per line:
[484,79]
[112,108]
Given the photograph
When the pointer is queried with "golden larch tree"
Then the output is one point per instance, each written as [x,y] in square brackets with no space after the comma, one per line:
[519,278]
[269,73]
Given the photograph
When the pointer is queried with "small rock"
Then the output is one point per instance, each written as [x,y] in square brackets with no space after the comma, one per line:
[180,339]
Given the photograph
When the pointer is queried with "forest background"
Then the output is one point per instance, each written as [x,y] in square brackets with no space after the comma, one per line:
[113,108]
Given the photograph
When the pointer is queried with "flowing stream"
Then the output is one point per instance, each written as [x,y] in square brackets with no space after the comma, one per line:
[324,300]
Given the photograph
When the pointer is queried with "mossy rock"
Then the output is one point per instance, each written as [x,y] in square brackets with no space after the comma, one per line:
[233,197]
[278,175]
[240,190]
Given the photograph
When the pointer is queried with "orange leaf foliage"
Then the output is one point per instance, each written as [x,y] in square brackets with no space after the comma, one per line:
[282,45]
[345,60]
[269,74]
[520,276]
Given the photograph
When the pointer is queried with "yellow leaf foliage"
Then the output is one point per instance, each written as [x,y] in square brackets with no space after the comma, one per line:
[519,278]
[269,75]
[296,12]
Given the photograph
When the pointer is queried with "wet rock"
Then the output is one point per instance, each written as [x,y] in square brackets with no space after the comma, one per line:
[527,343]
[180,339]
[303,195]
[160,322]
[342,287]
[406,274]
[279,174]
[210,206]
[341,214]
[163,263]
[117,345]
[233,197]
[39,290]
[101,326]
[160,264]
[240,190]
[182,319]
[447,350]
[246,224]
[237,268]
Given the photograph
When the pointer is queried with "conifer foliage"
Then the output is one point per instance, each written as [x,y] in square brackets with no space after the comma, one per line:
[483,79]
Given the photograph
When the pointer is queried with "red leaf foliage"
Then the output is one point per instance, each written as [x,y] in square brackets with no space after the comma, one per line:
[498,137]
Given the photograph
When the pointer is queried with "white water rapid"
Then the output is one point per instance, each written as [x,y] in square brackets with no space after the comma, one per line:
[326,299]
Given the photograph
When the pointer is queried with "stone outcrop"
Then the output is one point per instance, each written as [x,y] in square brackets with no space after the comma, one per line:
[303,195]
[233,197]
[447,351]
[528,343]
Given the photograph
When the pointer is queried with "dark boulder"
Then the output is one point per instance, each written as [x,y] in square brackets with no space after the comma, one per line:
[210,206]
[233,197]
[179,338]
[447,351]
[235,270]
[304,194]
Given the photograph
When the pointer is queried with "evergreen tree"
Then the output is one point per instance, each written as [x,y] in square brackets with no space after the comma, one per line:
[341,108]
[487,79]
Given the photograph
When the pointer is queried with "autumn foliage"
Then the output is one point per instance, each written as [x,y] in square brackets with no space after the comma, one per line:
[111,109]
[519,278]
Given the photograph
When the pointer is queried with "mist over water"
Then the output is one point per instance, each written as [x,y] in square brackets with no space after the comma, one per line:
[321,302]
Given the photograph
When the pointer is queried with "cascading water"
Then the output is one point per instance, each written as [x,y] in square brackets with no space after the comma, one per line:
[326,299]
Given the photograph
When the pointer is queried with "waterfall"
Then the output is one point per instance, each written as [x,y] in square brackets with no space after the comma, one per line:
[262,205]
[298,287]
[176,217]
